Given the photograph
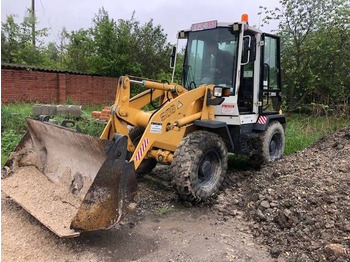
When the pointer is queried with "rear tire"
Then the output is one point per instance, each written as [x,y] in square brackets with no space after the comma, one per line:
[147,164]
[199,166]
[271,143]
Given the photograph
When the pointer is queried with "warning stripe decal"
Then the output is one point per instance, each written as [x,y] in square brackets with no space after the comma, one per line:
[262,120]
[142,149]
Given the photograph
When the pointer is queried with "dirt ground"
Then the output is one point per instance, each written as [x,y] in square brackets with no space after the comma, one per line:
[297,209]
[160,229]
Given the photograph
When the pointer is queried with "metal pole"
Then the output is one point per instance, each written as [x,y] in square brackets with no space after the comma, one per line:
[33,23]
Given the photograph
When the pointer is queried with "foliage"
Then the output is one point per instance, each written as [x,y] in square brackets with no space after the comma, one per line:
[314,36]
[16,42]
[304,130]
[178,66]
[115,48]
[108,47]
[13,117]
[90,127]
[76,54]
[315,61]
[13,127]
[9,140]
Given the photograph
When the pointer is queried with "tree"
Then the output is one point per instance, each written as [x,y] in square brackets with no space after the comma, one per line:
[10,40]
[115,48]
[127,47]
[104,36]
[153,49]
[76,55]
[313,33]
[16,42]
[108,47]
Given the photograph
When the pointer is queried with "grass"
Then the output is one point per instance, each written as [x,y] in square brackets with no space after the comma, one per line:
[13,127]
[302,130]
[166,209]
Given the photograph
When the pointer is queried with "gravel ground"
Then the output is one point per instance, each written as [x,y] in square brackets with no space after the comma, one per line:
[299,206]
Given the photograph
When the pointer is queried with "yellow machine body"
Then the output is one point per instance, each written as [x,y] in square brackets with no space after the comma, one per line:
[164,127]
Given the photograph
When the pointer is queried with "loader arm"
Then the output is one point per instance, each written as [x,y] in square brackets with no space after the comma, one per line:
[164,127]
[126,110]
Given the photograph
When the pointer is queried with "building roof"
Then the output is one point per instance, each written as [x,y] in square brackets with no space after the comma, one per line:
[41,69]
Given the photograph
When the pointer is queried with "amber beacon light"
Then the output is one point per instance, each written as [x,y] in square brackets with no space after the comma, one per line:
[244,18]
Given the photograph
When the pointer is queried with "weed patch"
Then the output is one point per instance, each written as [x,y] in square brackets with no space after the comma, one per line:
[303,131]
[166,209]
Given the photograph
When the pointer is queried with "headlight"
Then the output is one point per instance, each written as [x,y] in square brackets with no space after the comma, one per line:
[218,91]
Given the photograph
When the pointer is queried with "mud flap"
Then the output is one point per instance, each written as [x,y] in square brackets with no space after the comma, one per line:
[69,181]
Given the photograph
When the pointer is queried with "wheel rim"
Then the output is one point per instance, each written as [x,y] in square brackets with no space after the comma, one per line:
[208,168]
[275,146]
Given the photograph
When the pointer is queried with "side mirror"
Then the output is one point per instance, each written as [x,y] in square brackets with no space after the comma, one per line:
[249,49]
[172,57]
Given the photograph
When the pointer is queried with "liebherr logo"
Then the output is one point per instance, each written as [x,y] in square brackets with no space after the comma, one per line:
[171,110]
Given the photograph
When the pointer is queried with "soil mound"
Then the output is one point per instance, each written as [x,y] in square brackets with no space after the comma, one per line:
[298,206]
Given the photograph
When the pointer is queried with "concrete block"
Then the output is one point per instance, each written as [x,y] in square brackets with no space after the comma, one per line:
[37,110]
[75,111]
[62,110]
[45,110]
[53,110]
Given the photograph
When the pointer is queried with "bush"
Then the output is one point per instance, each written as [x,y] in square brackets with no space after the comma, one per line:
[13,117]
[9,141]
[91,127]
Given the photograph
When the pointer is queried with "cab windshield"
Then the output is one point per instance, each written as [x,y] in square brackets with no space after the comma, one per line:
[210,58]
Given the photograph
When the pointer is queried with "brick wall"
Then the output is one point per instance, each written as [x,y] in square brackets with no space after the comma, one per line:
[30,84]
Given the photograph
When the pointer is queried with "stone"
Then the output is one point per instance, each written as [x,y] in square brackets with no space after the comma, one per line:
[260,215]
[336,250]
[75,111]
[265,204]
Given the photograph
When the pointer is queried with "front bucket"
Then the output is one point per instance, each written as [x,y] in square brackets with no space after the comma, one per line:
[69,181]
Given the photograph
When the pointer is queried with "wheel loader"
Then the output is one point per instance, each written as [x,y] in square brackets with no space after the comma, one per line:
[229,101]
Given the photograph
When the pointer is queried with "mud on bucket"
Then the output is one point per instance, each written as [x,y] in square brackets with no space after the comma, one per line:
[69,181]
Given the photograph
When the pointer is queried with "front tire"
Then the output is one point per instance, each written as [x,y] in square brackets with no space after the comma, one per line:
[199,166]
[272,142]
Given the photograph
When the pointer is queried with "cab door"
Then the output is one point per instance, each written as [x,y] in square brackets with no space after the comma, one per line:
[270,95]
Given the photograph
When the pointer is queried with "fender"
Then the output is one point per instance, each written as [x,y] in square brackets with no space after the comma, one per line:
[217,127]
[263,121]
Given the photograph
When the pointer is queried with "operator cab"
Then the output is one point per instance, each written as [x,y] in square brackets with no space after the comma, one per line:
[238,57]
[210,58]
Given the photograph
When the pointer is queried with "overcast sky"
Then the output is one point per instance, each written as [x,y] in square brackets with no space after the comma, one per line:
[171,15]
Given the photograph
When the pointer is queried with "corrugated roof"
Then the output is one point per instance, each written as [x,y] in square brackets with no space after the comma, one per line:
[42,69]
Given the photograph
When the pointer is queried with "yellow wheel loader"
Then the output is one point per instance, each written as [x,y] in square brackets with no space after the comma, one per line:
[229,101]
